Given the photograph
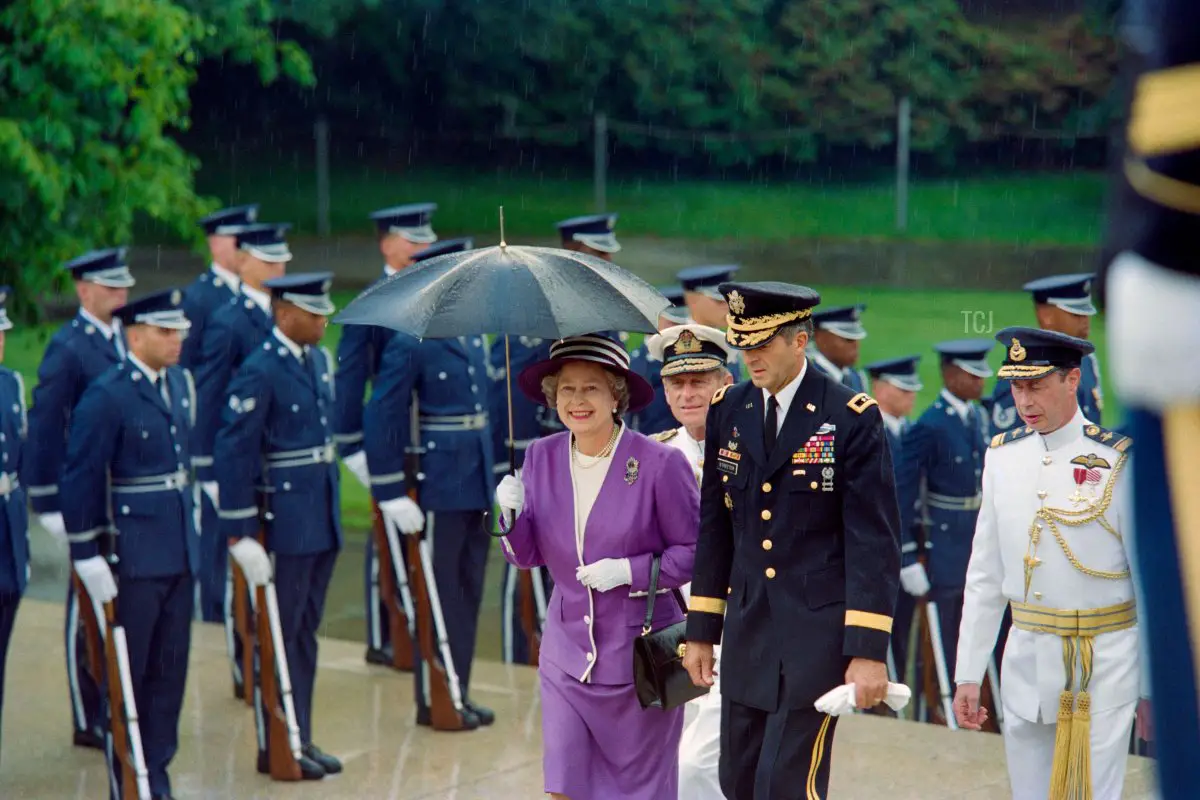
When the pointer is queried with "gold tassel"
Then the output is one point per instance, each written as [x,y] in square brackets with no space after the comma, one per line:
[1079,764]
[1062,745]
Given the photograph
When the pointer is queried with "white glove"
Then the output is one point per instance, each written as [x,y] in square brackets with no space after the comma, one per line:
[840,701]
[97,578]
[406,515]
[510,495]
[914,580]
[605,574]
[357,464]
[253,559]
[213,491]
[54,525]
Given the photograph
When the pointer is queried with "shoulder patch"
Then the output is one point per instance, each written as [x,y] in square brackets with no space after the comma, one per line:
[1117,441]
[665,436]
[861,402]
[1011,436]
[720,394]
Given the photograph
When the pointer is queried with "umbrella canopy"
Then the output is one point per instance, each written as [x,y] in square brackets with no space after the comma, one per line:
[510,291]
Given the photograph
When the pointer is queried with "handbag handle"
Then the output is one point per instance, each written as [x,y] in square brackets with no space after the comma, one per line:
[652,592]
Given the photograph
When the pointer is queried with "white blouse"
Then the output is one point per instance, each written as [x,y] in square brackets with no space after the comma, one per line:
[587,477]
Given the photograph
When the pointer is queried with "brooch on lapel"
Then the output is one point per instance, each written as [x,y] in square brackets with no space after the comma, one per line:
[631,471]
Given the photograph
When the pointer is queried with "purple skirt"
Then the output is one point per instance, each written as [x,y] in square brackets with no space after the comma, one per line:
[599,744]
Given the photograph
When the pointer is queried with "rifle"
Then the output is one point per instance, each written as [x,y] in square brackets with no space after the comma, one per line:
[393,587]
[91,631]
[274,690]
[127,752]
[445,696]
[529,616]
[243,624]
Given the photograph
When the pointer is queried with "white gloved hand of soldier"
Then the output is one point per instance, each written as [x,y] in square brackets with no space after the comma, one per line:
[357,464]
[406,515]
[840,701]
[605,574]
[914,580]
[253,559]
[214,494]
[54,525]
[97,578]
[510,496]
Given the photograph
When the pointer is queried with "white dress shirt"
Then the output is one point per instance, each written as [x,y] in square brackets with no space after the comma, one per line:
[784,397]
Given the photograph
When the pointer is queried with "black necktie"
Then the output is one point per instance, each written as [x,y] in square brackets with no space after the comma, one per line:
[771,429]
[160,384]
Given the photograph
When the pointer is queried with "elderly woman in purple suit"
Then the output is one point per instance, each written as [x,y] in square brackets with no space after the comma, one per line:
[594,505]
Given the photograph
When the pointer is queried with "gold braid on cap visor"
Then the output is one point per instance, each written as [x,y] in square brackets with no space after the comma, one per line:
[1024,370]
[750,331]
[701,364]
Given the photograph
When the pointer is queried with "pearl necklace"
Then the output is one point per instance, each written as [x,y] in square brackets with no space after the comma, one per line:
[577,457]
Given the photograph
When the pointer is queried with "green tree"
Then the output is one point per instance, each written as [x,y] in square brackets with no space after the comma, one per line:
[91,92]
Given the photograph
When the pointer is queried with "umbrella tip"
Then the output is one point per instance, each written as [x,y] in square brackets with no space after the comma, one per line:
[502,242]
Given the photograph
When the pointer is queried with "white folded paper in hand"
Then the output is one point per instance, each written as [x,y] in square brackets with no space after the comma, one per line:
[840,701]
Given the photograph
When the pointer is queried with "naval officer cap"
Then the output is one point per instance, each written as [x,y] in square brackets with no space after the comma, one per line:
[5,323]
[107,268]
[969,355]
[161,310]
[444,247]
[265,241]
[413,222]
[226,221]
[1032,352]
[706,279]
[677,312]
[594,231]
[1071,293]
[688,348]
[843,321]
[758,310]
[306,290]
[899,372]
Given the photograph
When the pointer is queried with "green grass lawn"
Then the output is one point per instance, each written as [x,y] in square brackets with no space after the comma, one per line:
[1023,209]
[899,323]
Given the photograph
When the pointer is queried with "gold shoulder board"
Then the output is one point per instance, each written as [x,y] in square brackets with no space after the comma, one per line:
[861,402]
[719,395]
[998,440]
[1011,436]
[665,436]
[1116,441]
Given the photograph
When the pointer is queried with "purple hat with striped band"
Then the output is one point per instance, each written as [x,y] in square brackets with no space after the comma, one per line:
[608,353]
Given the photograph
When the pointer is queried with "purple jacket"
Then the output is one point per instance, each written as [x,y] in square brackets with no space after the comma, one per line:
[657,513]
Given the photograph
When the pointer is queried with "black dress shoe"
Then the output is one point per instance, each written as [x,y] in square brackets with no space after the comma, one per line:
[309,770]
[239,690]
[93,739]
[328,763]
[380,655]
[486,715]
[470,720]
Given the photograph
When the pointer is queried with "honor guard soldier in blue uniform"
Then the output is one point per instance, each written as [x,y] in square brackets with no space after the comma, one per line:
[14,521]
[78,353]
[1063,303]
[704,302]
[130,518]
[657,417]
[443,384]
[213,290]
[231,334]
[939,480]
[798,557]
[404,232]
[279,475]
[836,343]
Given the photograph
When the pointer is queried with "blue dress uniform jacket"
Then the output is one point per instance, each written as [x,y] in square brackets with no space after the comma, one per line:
[851,377]
[207,294]
[126,473]
[449,377]
[799,552]
[1004,417]
[77,354]
[529,421]
[276,436]
[14,521]
[656,417]
[359,352]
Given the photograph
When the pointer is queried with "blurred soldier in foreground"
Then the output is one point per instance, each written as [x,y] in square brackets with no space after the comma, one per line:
[706,305]
[213,290]
[14,516]
[130,519]
[693,369]
[404,232]
[1062,303]
[78,353]
[276,434]
[657,417]
[1054,543]
[1150,283]
[836,343]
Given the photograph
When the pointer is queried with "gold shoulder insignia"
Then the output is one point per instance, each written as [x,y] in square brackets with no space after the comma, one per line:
[665,436]
[998,440]
[1011,436]
[720,395]
[861,402]
[1116,441]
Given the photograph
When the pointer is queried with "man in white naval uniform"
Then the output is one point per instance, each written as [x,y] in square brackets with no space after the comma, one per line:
[694,366]
[1054,541]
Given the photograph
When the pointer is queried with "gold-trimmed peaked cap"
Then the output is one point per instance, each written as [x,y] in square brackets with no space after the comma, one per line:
[758,310]
[688,348]
[1032,352]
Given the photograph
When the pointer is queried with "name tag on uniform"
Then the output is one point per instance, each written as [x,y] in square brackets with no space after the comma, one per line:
[726,466]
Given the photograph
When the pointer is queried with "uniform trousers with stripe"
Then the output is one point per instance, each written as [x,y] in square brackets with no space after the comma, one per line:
[9,602]
[775,755]
[514,642]
[157,616]
[87,706]
[214,556]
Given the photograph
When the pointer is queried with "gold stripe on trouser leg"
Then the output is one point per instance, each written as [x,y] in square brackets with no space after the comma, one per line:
[1181,440]
[818,754]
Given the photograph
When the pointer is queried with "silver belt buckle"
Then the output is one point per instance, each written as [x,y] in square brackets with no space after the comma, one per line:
[6,484]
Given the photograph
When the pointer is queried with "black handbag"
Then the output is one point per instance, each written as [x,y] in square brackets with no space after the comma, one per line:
[658,673]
